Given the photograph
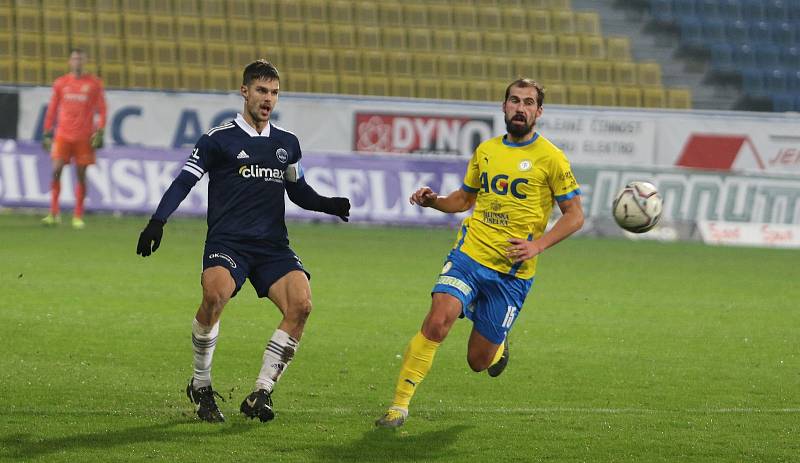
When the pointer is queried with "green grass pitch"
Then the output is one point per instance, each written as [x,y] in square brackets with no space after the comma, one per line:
[625,351]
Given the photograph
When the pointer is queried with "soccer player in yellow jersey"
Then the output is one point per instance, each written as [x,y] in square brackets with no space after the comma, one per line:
[512,181]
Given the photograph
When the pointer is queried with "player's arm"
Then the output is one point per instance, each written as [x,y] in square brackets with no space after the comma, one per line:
[50,116]
[458,201]
[571,220]
[100,109]
[302,194]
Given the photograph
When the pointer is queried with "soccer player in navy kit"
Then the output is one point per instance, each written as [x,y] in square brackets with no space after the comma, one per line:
[250,163]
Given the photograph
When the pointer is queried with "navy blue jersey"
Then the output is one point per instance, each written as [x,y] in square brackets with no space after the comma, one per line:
[248,175]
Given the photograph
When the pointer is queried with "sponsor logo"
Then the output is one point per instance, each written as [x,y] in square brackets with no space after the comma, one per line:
[721,152]
[282,155]
[455,283]
[447,267]
[500,185]
[225,257]
[420,134]
[267,173]
[495,218]
[194,154]
[525,165]
[242,155]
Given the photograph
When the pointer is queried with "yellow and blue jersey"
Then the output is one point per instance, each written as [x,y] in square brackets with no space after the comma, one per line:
[516,184]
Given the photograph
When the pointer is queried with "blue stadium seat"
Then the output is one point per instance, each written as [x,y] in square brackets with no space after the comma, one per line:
[767,55]
[661,10]
[713,30]
[752,10]
[707,8]
[783,102]
[797,103]
[793,81]
[776,10]
[794,11]
[691,32]
[730,9]
[785,33]
[775,81]
[683,9]
[790,57]
[760,31]
[737,32]
[753,82]
[744,56]
[722,58]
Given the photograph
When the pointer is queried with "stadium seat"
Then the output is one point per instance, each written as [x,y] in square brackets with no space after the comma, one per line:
[494,43]
[569,46]
[298,82]
[555,94]
[779,10]
[426,65]
[6,21]
[767,55]
[218,55]
[193,79]
[550,72]
[415,15]
[500,68]
[539,21]
[691,33]
[110,6]
[593,47]
[490,19]
[775,81]
[785,33]
[155,9]
[113,75]
[191,55]
[618,48]
[465,18]
[649,74]
[420,40]
[136,27]
[141,77]
[428,88]
[368,38]
[479,90]
[109,26]
[603,95]
[708,8]
[730,10]
[189,31]
[394,38]
[215,30]
[625,74]
[683,8]
[264,10]
[166,78]
[470,42]
[341,12]
[211,9]
[737,32]
[390,14]
[475,67]
[514,19]
[601,72]
[519,44]
[137,53]
[55,49]
[713,32]
[8,72]
[629,97]
[661,11]
[366,14]
[53,70]
[270,36]
[29,47]
[524,68]
[400,64]
[545,46]
[377,86]
[7,51]
[30,72]
[374,63]
[722,58]
[343,36]
[28,21]
[790,57]
[82,23]
[760,32]
[88,44]
[323,60]
[563,22]
[440,16]
[187,8]
[165,53]
[653,97]
[587,23]
[316,11]
[454,89]
[752,10]
[111,51]
[241,55]
[318,35]
[679,98]
[450,66]
[499,90]
[296,59]
[349,62]
[783,102]
[239,31]
[402,87]
[559,4]
[351,85]
[744,56]
[54,22]
[445,40]
[324,83]
[575,71]
[293,34]
[579,95]
[221,80]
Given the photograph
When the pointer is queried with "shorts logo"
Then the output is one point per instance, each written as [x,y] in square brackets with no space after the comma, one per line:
[447,267]
[455,283]
[225,257]
[282,155]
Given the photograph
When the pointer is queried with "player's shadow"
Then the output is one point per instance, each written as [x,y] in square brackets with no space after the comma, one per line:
[396,445]
[24,447]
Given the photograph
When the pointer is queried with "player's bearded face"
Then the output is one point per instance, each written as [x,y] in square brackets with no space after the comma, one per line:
[518,125]
[521,111]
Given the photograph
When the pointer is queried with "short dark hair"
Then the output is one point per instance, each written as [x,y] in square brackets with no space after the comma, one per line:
[524,82]
[77,50]
[260,69]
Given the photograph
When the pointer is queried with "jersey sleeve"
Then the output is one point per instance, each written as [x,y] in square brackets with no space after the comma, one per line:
[52,107]
[562,181]
[198,161]
[294,171]
[472,178]
[100,104]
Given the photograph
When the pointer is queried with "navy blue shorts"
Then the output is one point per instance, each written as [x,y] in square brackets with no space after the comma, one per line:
[263,265]
[491,299]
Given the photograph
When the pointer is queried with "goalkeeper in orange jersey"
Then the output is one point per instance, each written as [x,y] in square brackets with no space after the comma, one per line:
[512,181]
[77,116]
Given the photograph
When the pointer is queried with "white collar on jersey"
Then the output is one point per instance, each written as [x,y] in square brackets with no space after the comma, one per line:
[249,128]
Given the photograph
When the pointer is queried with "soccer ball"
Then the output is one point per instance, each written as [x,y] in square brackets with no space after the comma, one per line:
[637,207]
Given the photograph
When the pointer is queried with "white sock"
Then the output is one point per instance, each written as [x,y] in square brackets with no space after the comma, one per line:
[279,352]
[204,340]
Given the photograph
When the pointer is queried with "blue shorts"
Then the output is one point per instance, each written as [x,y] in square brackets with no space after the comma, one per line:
[263,265]
[491,299]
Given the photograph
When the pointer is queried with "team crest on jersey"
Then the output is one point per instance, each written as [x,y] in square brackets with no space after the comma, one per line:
[525,165]
[282,155]
[447,267]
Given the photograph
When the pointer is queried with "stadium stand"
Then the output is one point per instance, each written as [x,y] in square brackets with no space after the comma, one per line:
[457,49]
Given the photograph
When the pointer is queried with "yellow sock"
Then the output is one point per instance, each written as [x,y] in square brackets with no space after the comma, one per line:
[499,353]
[417,361]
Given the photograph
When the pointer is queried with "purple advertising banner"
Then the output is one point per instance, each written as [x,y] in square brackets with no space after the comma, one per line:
[132,180]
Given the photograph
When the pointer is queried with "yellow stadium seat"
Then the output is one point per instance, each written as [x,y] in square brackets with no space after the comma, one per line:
[56,48]
[569,46]
[218,55]
[545,46]
[428,88]
[316,11]
[445,40]
[167,77]
[137,53]
[539,21]
[264,10]
[587,23]
[54,22]
[325,83]
[450,66]
[191,54]
[575,71]
[8,72]
[290,10]
[165,54]
[420,40]
[465,18]
[240,31]
[377,86]
[189,30]
[494,43]
[394,38]
[366,14]
[6,26]
[187,8]
[550,71]
[679,98]
[28,21]
[136,27]
[323,60]
[440,16]
[30,72]
[415,15]
[625,74]
[390,14]
[601,72]
[343,36]
[374,63]
[242,55]
[654,97]
[293,34]
[111,51]
[555,94]
[29,47]
[110,6]
[426,65]
[267,35]
[514,19]
[563,22]
[140,77]
[475,67]
[649,74]
[81,5]
[54,70]
[490,18]
[479,90]
[629,97]
[351,85]
[604,96]
[349,62]
[341,12]
[579,95]
[220,79]
[368,38]
[499,90]
[501,68]
[299,82]
[240,9]
[527,68]
[82,23]
[7,51]
[193,79]
[618,48]
[87,44]
[160,8]
[559,4]
[212,9]
[271,53]
[318,35]
[402,87]
[215,30]
[454,89]
[400,64]
[593,47]
[296,59]
[109,26]
[469,42]
[113,75]
[519,44]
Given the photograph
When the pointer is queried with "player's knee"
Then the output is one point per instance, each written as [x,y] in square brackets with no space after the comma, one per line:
[300,310]
[478,362]
[214,299]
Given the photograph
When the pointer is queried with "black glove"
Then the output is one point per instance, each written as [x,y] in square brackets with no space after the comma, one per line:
[47,141]
[337,206]
[97,139]
[150,236]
